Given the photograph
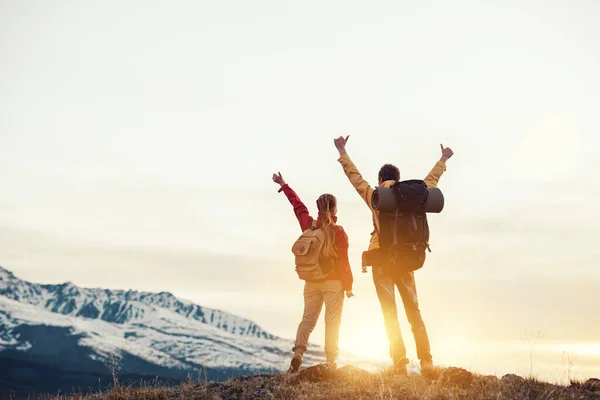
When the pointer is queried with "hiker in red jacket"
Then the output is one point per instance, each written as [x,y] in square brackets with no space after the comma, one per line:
[329,291]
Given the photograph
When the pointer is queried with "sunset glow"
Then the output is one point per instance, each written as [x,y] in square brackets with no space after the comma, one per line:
[139,140]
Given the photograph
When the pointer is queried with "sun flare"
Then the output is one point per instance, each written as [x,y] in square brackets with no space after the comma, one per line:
[368,341]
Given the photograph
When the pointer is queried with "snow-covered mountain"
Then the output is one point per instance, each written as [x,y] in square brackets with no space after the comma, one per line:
[150,333]
[118,306]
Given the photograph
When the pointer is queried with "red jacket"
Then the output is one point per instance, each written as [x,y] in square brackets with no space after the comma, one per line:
[342,269]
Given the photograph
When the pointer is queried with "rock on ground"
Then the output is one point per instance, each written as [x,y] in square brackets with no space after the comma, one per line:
[456,376]
[321,372]
[513,379]
[592,384]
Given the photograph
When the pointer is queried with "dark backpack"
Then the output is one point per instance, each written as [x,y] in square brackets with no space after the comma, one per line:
[404,232]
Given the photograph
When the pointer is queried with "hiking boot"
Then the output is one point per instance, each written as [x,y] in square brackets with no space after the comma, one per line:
[426,364]
[331,365]
[397,370]
[295,364]
[428,370]
[401,370]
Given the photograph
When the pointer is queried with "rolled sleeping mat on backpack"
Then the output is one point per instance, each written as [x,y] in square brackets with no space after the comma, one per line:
[383,199]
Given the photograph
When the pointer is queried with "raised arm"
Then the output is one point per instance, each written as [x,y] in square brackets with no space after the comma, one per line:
[432,179]
[300,209]
[360,184]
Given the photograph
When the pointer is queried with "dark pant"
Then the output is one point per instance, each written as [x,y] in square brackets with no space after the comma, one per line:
[385,287]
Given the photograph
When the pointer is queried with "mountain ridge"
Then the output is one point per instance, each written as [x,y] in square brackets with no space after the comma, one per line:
[111,305]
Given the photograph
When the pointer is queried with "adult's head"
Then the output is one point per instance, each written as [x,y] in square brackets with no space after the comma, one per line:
[389,172]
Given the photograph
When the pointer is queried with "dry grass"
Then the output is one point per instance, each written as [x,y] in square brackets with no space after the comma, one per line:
[349,384]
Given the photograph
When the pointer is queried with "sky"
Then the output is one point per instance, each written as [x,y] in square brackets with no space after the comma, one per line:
[138,140]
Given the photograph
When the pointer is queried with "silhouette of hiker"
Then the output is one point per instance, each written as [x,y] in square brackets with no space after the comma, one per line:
[330,286]
[404,280]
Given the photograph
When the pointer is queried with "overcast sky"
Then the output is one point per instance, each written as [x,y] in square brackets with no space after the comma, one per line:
[138,139]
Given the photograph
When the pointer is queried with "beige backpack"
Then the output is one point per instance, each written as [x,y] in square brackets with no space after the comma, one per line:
[308,253]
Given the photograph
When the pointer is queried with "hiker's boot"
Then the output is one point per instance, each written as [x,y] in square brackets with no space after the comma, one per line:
[426,364]
[400,370]
[295,364]
[331,365]
[428,370]
[330,360]
[399,367]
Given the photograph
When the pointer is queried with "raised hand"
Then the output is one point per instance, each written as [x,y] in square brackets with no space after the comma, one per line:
[446,153]
[277,178]
[340,144]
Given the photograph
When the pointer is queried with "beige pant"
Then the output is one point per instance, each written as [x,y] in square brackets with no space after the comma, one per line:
[315,294]
[385,287]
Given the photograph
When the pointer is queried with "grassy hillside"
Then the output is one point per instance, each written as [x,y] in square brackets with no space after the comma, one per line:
[350,383]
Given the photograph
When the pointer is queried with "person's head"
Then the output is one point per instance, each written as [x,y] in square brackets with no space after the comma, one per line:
[327,206]
[389,172]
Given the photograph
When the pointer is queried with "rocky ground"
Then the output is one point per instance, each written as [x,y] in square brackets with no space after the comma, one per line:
[348,383]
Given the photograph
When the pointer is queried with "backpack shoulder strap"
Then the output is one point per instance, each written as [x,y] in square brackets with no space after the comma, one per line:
[375,230]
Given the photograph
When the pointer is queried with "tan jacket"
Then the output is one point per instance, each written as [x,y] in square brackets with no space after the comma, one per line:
[366,191]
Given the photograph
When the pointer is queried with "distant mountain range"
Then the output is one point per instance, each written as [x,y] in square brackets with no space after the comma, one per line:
[62,337]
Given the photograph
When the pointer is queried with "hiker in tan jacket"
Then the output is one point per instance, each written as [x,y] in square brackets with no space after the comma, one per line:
[385,285]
